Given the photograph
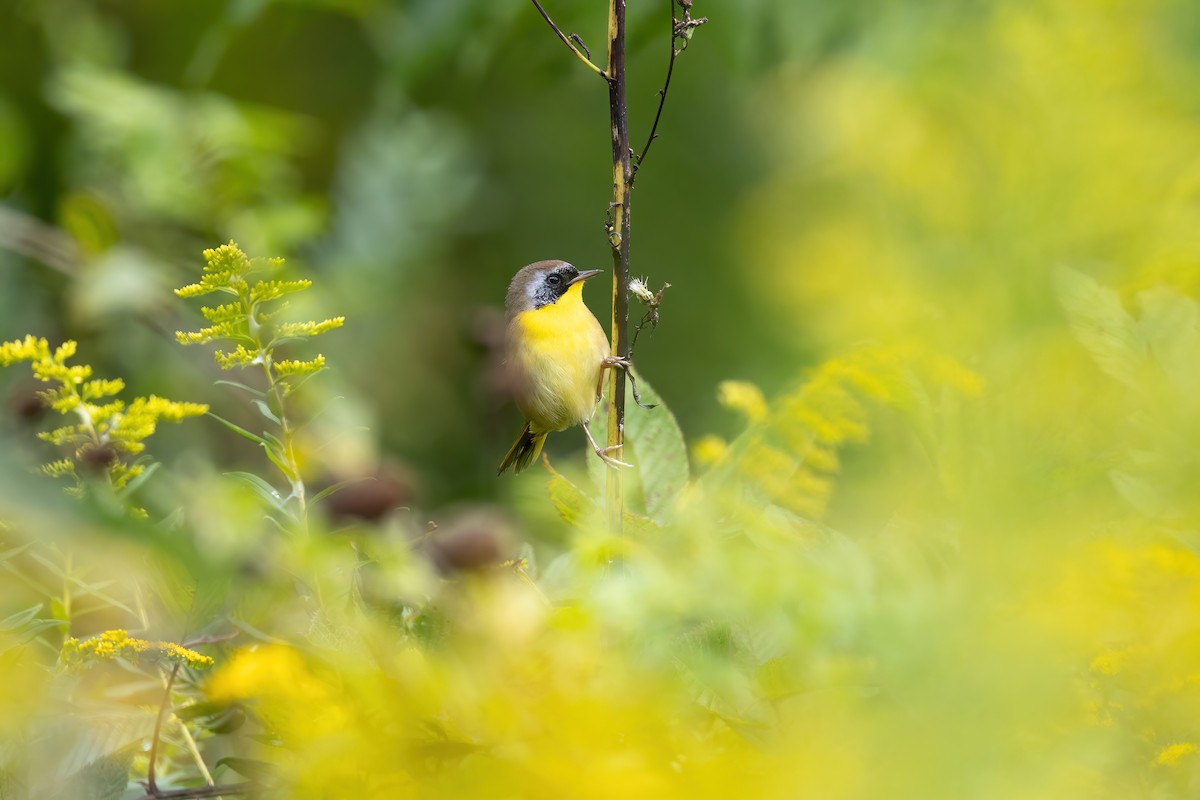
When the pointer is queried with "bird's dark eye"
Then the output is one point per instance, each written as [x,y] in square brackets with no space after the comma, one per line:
[554,280]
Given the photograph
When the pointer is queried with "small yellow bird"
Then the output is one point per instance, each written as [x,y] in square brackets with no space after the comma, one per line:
[556,352]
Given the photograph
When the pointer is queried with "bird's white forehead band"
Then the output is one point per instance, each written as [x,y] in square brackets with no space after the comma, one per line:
[535,285]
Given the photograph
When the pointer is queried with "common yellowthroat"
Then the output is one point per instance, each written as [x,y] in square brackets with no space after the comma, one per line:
[556,352]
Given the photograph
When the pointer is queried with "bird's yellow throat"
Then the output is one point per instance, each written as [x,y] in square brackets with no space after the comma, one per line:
[568,315]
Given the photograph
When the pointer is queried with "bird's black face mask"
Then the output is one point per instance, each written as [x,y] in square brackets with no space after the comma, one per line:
[553,285]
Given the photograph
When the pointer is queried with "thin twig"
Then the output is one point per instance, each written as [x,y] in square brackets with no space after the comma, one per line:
[681,32]
[211,639]
[662,93]
[651,317]
[567,41]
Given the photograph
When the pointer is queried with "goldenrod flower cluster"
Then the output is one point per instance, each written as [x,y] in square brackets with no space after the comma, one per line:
[106,431]
[245,323]
[78,654]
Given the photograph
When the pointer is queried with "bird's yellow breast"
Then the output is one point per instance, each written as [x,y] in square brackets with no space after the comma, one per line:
[556,352]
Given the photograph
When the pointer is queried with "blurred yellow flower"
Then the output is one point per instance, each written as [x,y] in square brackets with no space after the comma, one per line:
[265,669]
[709,449]
[1171,755]
[744,397]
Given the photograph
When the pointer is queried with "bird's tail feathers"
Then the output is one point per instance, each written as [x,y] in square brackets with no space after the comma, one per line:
[524,451]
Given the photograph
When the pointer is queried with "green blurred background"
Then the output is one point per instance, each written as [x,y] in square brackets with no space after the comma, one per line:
[410,156]
[828,174]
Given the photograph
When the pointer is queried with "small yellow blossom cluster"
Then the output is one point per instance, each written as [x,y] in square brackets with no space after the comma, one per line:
[78,654]
[244,323]
[106,430]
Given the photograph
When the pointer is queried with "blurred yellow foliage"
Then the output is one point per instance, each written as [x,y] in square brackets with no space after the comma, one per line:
[957,557]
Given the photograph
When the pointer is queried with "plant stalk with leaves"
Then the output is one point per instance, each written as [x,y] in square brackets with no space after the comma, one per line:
[625,166]
[249,324]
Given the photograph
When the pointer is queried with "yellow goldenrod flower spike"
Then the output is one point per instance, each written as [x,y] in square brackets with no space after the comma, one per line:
[113,644]
[294,369]
[289,330]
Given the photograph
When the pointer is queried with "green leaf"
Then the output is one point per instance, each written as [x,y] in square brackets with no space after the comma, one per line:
[263,489]
[572,504]
[20,618]
[94,590]
[96,732]
[1170,326]
[275,458]
[266,411]
[14,551]
[1102,325]
[23,628]
[228,722]
[655,446]
[104,779]
[10,787]
[659,451]
[251,768]
[205,708]
[241,386]
[578,509]
[34,628]
[217,717]
[240,431]
[337,487]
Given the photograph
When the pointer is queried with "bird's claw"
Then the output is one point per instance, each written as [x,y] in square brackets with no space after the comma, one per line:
[617,361]
[603,454]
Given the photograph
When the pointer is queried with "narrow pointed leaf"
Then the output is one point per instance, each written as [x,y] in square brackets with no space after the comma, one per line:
[240,431]
[263,489]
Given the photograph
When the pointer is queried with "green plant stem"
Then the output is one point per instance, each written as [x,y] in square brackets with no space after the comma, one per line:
[286,433]
[66,595]
[156,738]
[619,240]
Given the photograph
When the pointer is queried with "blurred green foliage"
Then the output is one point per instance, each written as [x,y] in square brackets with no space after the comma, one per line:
[931,345]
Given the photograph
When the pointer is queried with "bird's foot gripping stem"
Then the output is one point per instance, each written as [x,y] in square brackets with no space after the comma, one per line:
[611,362]
[623,362]
[603,452]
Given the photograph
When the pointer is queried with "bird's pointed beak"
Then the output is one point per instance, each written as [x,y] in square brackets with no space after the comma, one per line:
[583,276]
